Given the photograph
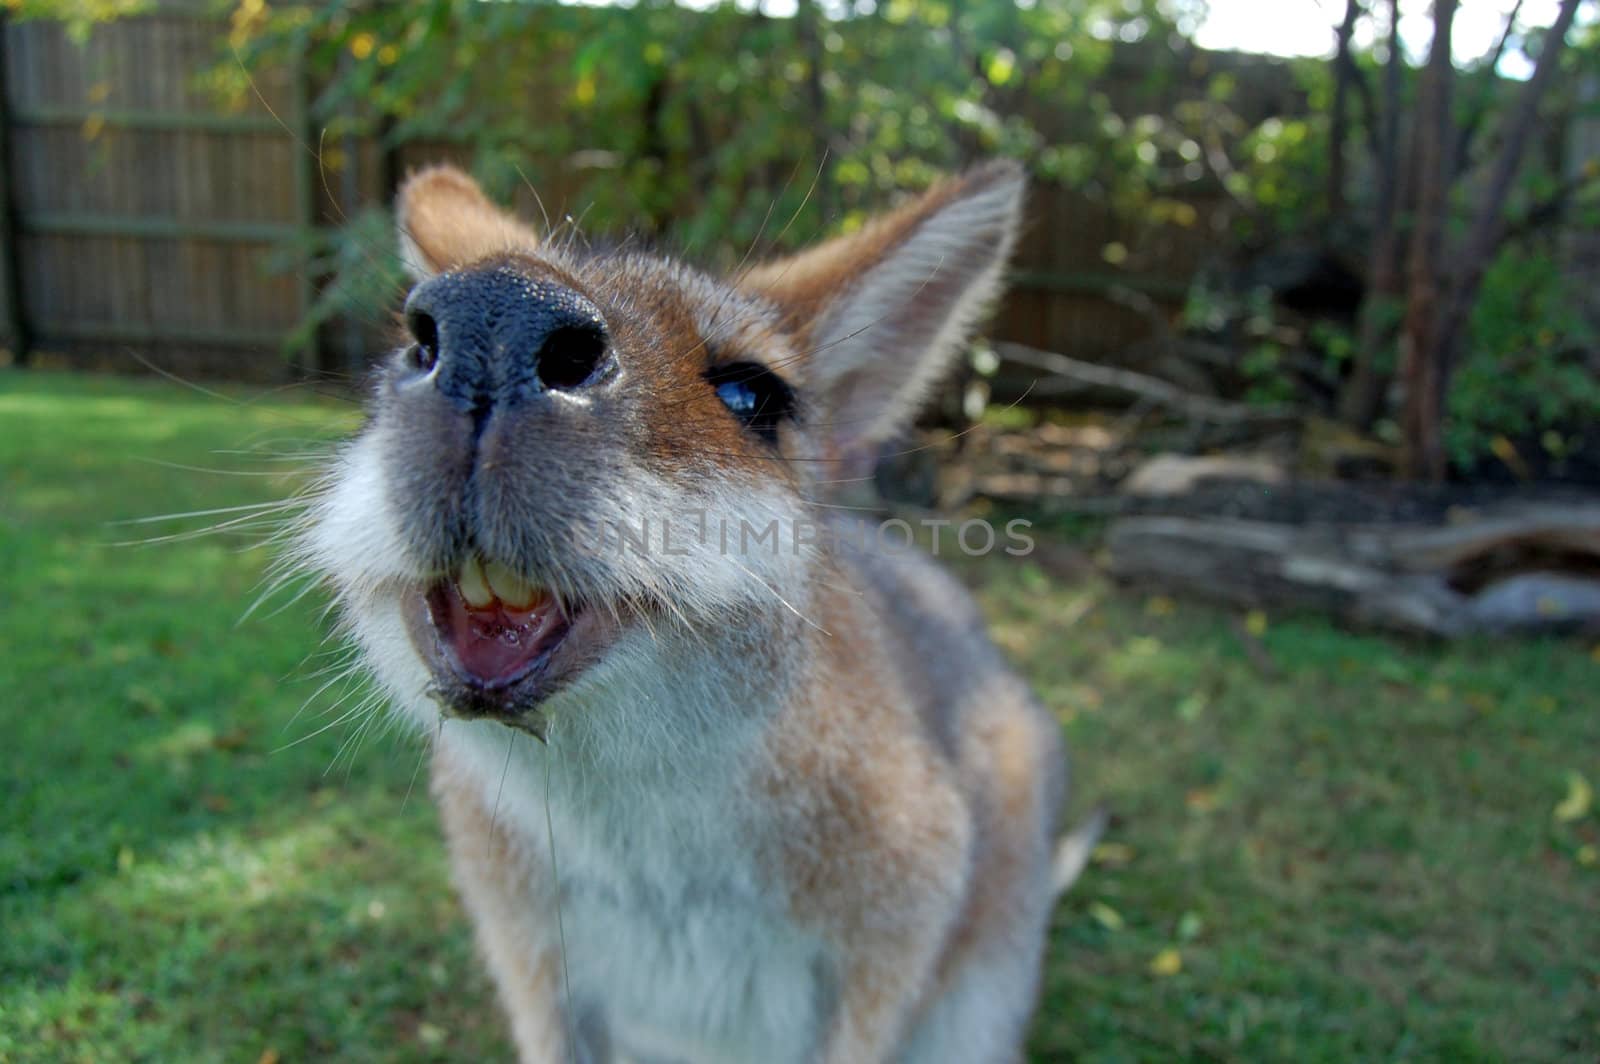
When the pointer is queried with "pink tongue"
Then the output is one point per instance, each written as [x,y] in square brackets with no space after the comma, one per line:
[495,643]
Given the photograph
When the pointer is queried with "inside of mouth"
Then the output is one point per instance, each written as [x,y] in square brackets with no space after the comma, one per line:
[495,643]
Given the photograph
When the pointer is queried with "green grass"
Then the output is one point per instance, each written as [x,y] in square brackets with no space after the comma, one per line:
[1353,853]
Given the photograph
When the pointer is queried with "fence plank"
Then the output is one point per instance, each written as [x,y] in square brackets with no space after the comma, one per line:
[15,309]
[83,224]
[305,200]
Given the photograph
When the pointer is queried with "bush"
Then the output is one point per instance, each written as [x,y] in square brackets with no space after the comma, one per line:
[1529,372]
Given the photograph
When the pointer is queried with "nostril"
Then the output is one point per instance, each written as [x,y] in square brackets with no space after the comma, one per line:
[570,355]
[425,353]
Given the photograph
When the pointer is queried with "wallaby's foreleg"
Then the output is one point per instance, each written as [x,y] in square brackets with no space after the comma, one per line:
[501,888]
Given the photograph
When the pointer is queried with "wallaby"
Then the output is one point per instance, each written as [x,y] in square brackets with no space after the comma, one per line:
[710,796]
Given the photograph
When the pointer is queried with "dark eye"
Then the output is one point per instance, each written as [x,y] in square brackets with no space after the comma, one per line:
[757,397]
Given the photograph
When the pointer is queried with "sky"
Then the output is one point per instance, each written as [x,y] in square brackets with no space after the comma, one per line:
[1305,27]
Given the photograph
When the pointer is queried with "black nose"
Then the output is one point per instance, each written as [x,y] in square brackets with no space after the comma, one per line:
[496,337]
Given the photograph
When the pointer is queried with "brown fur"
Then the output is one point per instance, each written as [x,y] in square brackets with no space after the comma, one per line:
[804,284]
[451,222]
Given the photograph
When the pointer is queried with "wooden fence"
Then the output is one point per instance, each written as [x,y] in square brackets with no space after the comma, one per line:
[141,211]
[139,217]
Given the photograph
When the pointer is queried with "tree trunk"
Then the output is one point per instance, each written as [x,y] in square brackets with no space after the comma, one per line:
[1339,123]
[1421,358]
[1362,400]
[808,30]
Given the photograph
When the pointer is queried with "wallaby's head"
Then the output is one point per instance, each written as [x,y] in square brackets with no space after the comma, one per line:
[553,490]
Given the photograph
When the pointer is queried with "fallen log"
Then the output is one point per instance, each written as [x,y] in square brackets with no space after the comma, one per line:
[1499,573]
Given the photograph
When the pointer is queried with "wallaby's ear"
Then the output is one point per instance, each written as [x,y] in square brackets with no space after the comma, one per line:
[882,312]
[445,220]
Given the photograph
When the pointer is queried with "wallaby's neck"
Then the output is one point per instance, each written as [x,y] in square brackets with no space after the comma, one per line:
[671,708]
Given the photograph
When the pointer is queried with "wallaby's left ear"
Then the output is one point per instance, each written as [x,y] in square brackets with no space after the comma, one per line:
[882,312]
[445,220]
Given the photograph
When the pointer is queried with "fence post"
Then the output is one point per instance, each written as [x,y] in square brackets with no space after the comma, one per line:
[306,213]
[16,319]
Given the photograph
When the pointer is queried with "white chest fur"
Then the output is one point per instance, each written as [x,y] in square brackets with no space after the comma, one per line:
[673,937]
[699,969]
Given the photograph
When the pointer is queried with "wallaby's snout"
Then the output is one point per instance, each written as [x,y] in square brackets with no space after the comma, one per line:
[494,337]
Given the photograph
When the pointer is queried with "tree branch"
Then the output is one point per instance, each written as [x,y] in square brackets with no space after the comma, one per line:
[1485,94]
[1075,375]
[1490,223]
[1548,210]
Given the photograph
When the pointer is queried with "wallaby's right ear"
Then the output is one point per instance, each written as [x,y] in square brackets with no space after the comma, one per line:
[445,220]
[883,311]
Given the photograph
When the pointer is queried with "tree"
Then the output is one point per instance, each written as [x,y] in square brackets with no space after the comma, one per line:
[1441,291]
[1363,392]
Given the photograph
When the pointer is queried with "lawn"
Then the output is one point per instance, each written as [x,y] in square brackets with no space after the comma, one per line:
[1326,846]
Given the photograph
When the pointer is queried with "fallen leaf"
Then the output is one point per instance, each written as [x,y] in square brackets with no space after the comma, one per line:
[1546,606]
[268,1056]
[1580,796]
[1192,706]
[1114,854]
[232,739]
[1189,926]
[1507,452]
[1106,916]
[1167,962]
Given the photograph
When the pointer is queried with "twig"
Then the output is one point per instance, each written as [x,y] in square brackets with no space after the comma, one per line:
[1074,375]
[1254,648]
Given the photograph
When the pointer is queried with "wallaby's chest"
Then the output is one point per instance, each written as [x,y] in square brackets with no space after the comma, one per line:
[678,945]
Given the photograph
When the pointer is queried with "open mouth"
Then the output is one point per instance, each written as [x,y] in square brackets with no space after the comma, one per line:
[496,625]
[499,645]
